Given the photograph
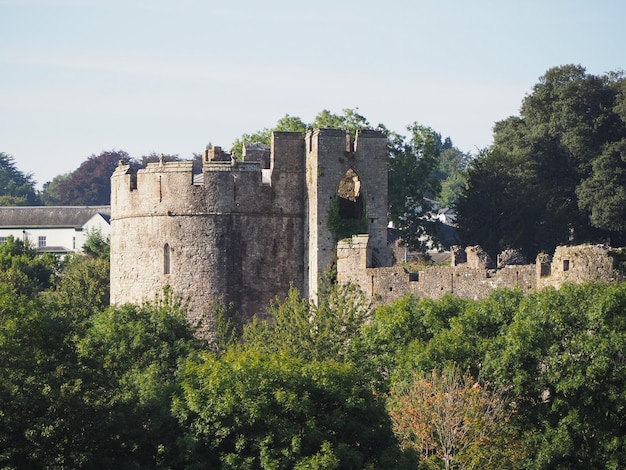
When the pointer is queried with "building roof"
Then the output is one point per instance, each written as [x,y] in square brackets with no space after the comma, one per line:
[50,216]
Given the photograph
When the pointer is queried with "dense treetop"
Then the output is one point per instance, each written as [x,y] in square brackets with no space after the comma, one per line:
[16,188]
[555,173]
[512,381]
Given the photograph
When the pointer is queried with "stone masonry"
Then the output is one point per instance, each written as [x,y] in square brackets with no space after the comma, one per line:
[244,231]
[471,273]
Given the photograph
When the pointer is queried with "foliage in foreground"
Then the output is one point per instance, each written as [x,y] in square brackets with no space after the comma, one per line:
[83,384]
[454,420]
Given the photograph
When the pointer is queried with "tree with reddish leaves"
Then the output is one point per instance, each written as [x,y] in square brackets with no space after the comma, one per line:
[90,184]
[453,421]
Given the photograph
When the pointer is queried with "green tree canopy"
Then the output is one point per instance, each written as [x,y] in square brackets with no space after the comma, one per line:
[50,195]
[542,172]
[16,187]
[286,123]
[250,409]
[25,270]
[413,162]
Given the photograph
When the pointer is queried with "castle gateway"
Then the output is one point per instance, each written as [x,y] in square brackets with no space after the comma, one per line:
[243,232]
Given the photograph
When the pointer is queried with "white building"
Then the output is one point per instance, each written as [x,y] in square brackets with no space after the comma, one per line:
[54,229]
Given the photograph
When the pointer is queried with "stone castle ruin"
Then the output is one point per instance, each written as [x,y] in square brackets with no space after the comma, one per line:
[472,274]
[243,232]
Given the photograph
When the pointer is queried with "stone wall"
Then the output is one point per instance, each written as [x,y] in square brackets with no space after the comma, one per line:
[469,275]
[330,154]
[245,231]
[233,238]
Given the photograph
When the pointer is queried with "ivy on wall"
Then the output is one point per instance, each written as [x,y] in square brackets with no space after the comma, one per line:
[344,227]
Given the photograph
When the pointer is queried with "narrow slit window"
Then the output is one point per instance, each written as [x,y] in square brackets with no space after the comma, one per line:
[166,259]
[565,265]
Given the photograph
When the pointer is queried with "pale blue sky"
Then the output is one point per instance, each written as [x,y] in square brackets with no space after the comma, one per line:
[81,76]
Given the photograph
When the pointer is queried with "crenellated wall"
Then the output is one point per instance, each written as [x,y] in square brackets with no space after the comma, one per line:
[242,231]
[228,238]
[471,274]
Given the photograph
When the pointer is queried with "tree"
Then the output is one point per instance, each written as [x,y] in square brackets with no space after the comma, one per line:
[82,288]
[41,421]
[16,188]
[603,194]
[452,419]
[349,120]
[412,180]
[23,269]
[90,183]
[286,123]
[50,193]
[562,358]
[132,356]
[308,330]
[451,172]
[570,119]
[96,245]
[500,209]
[249,409]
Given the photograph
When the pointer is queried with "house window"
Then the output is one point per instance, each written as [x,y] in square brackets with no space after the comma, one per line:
[41,241]
[3,240]
[565,265]
[166,259]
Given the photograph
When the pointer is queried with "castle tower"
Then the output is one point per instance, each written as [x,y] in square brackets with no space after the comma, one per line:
[349,177]
[235,233]
[243,232]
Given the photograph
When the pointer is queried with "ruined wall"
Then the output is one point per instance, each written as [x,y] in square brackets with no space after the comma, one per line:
[243,231]
[578,264]
[470,274]
[330,154]
[228,238]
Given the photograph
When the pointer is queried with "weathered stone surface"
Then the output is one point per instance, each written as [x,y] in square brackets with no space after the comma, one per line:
[249,230]
[469,276]
[511,258]
[245,231]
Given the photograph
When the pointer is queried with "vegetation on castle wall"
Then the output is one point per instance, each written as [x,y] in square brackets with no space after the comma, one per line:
[342,227]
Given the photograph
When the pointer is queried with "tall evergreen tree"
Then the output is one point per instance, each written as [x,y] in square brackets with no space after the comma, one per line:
[16,187]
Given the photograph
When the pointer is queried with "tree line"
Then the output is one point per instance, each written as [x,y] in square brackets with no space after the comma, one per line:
[513,381]
[422,166]
[553,175]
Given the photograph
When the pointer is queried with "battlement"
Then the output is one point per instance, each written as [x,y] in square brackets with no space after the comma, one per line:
[245,230]
[471,273]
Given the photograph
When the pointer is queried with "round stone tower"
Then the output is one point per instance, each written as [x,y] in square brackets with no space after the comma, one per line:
[243,232]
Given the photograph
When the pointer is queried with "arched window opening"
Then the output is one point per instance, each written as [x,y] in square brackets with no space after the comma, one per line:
[350,196]
[166,259]
[347,208]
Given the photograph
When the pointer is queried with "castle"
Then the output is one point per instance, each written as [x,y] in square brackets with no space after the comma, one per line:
[243,232]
